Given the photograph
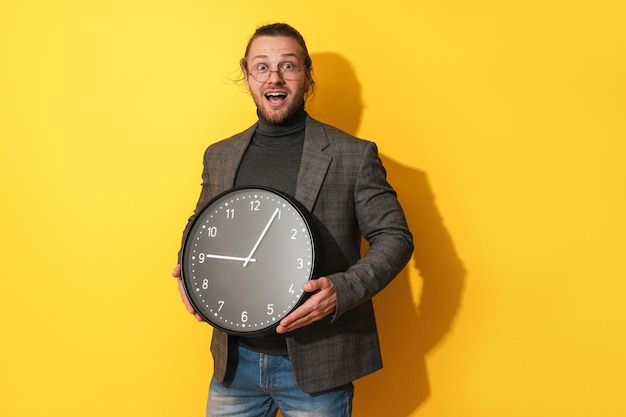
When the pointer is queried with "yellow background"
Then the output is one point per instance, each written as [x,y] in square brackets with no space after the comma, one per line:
[502,124]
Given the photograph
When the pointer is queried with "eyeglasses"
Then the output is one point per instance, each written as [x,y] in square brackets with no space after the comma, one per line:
[287,71]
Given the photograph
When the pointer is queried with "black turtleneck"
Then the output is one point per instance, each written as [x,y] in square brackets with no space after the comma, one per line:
[273,157]
[273,160]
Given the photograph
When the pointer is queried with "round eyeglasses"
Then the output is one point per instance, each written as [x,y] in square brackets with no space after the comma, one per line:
[287,71]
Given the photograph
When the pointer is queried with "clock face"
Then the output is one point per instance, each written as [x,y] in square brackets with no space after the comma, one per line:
[245,259]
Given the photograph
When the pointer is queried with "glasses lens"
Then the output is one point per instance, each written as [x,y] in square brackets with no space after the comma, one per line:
[287,72]
[260,75]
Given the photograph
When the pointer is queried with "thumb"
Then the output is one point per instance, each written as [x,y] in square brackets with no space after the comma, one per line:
[316,284]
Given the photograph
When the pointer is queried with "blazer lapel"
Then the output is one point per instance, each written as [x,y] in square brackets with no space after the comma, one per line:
[314,165]
[230,161]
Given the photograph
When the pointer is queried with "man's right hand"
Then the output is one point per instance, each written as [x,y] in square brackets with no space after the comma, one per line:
[183,294]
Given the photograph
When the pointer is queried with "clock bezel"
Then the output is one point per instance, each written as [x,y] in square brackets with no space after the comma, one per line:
[307,219]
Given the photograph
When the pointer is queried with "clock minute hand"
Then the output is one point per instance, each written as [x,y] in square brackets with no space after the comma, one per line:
[256,245]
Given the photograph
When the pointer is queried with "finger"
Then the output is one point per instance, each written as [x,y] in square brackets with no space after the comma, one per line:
[319,284]
[183,296]
[176,271]
[290,327]
[300,317]
[289,323]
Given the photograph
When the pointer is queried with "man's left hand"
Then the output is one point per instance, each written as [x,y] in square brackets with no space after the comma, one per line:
[320,304]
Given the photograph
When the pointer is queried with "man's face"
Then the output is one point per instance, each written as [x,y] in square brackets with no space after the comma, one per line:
[276,98]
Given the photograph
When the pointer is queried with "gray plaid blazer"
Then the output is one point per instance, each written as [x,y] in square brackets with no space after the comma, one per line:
[343,184]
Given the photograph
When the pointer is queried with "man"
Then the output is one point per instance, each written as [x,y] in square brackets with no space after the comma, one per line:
[307,368]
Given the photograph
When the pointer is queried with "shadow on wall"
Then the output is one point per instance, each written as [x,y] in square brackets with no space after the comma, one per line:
[407,331]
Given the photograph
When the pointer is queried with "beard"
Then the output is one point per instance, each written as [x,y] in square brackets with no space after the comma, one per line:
[275,117]
[278,115]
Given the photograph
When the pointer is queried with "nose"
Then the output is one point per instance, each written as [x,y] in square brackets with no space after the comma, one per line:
[275,78]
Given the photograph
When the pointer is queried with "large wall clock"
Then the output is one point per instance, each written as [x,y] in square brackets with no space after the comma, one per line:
[245,259]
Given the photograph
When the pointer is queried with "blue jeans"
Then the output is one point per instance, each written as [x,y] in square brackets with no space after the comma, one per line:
[264,383]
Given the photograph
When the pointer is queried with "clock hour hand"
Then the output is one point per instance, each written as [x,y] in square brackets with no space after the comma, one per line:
[256,245]
[229,258]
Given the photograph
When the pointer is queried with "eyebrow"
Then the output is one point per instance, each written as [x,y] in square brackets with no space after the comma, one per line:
[285,55]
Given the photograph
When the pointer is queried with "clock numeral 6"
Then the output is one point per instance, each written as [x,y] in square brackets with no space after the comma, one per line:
[244,316]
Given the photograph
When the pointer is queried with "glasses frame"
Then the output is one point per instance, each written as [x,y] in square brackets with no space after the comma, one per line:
[279,71]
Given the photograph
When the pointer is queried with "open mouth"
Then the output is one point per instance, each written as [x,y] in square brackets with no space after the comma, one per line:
[276,97]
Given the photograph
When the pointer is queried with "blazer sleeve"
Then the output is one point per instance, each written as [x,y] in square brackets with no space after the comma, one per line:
[382,223]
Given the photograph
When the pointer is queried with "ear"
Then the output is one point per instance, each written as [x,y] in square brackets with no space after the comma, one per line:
[244,70]
[246,78]
[307,85]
